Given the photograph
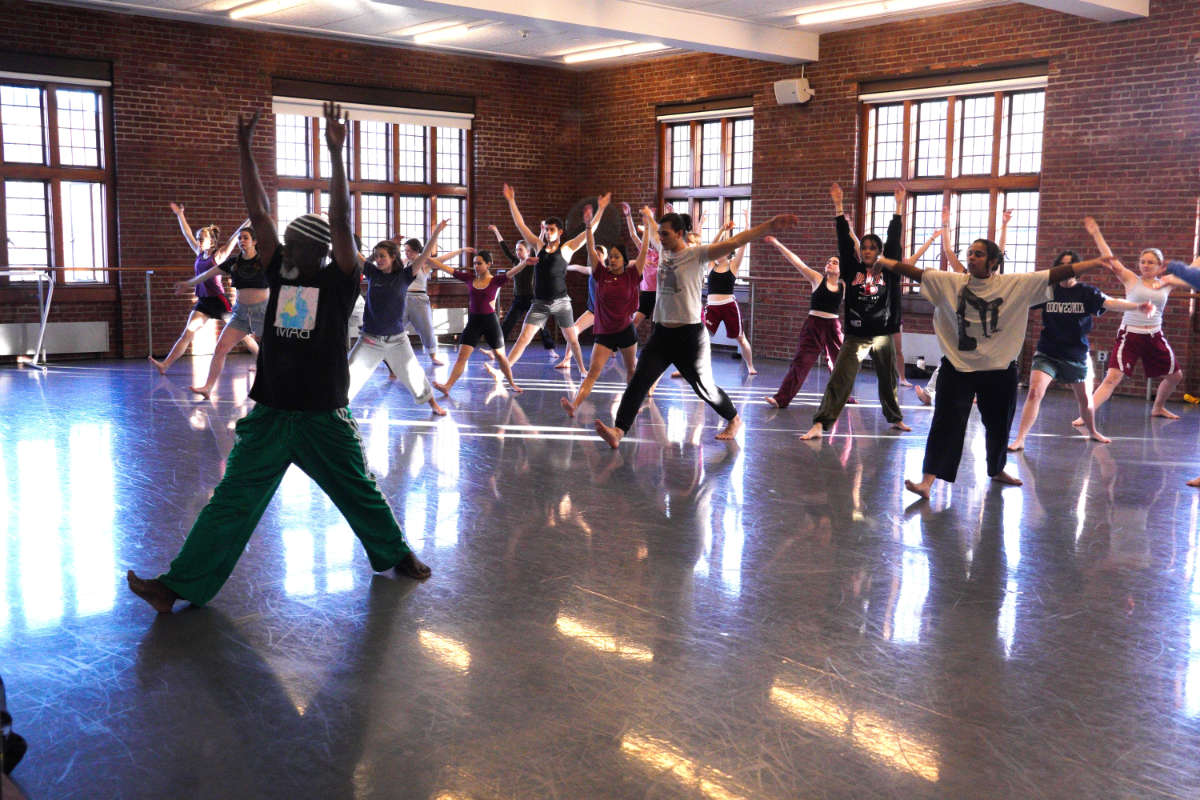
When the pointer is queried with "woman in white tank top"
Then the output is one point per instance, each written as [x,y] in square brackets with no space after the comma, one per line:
[1140,336]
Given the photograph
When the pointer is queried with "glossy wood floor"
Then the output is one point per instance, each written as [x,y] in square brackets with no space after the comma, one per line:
[678,619]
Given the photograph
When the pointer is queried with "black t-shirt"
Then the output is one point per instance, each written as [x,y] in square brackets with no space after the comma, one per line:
[1067,320]
[523,283]
[302,361]
[245,273]
[872,298]
[825,300]
[550,275]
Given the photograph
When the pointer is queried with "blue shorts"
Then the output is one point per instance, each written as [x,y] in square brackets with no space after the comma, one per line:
[1060,369]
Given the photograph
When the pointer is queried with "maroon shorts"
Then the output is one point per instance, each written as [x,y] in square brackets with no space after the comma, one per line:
[729,313]
[1156,355]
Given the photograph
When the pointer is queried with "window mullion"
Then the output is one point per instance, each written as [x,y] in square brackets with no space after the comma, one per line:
[951,119]
[907,156]
[4,279]
[997,115]
[697,143]
[431,156]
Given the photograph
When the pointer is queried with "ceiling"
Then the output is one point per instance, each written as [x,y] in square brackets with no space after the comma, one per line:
[546,31]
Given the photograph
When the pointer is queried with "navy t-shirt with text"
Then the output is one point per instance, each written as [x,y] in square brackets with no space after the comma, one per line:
[1067,320]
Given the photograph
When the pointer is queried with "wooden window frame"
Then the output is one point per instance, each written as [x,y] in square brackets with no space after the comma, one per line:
[949,185]
[429,189]
[55,174]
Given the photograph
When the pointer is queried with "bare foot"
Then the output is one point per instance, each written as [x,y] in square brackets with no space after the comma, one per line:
[153,591]
[391,375]
[437,361]
[161,367]
[922,395]
[900,426]
[676,374]
[435,408]
[491,356]
[771,401]
[566,404]
[551,355]
[1006,479]
[814,432]
[412,567]
[1016,446]
[1162,412]
[921,488]
[1077,422]
[1194,482]
[516,389]
[564,364]
[851,401]
[905,383]
[731,430]
[1097,436]
[751,371]
[443,388]
[203,391]
[611,435]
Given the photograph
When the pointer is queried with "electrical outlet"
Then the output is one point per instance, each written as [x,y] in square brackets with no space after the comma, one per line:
[1102,356]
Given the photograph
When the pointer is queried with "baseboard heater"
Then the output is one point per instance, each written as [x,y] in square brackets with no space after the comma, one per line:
[20,338]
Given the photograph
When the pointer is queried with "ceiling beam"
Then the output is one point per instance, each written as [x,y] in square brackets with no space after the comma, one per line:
[1099,10]
[685,29]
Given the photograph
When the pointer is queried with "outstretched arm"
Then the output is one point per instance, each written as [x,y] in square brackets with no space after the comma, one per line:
[508,253]
[1115,304]
[341,229]
[518,220]
[627,212]
[187,231]
[907,267]
[776,224]
[1190,275]
[426,256]
[1064,271]
[222,254]
[185,287]
[893,246]
[1004,220]
[808,272]
[639,263]
[593,258]
[916,257]
[1124,274]
[258,206]
[601,204]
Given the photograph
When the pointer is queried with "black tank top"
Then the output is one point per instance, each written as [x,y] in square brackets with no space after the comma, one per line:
[827,301]
[721,282]
[550,275]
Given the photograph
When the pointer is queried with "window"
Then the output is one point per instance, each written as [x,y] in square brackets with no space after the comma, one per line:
[978,153]
[401,177]
[708,169]
[56,174]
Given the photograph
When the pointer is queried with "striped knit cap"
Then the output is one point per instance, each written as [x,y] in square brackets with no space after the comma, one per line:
[312,227]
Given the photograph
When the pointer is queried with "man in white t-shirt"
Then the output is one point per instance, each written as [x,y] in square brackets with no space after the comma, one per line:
[980,318]
[679,336]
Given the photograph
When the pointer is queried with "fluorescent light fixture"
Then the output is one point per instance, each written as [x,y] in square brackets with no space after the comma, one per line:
[426,27]
[262,8]
[566,51]
[879,8]
[442,34]
[614,52]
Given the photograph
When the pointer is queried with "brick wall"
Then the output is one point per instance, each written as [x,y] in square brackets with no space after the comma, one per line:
[178,87]
[1121,133]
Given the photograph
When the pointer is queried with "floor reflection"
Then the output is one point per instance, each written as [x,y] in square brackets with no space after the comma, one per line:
[681,618]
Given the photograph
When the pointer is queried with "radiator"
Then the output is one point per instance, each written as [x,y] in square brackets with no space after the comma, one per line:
[20,338]
[917,345]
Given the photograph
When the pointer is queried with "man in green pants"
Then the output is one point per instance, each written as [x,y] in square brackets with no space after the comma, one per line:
[300,388]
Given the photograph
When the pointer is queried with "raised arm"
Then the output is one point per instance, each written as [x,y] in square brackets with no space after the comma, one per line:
[593,258]
[808,272]
[426,256]
[258,205]
[518,220]
[776,224]
[590,227]
[187,230]
[639,263]
[1004,220]
[847,248]
[508,253]
[341,230]
[916,257]
[893,245]
[220,255]
[735,263]
[1123,274]
[630,225]
[650,223]
[951,257]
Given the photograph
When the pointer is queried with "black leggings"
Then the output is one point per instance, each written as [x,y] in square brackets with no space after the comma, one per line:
[687,348]
[516,313]
[485,326]
[995,391]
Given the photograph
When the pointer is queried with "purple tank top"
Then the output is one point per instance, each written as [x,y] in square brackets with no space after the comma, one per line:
[211,287]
